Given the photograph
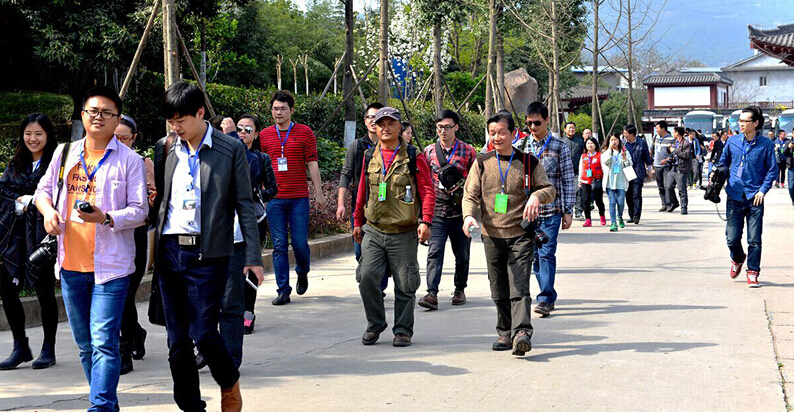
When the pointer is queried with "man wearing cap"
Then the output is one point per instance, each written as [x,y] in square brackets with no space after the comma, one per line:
[395,180]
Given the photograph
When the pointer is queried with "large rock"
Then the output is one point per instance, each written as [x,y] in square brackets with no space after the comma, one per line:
[522,89]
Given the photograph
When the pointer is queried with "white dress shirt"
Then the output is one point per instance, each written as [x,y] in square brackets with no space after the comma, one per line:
[179,221]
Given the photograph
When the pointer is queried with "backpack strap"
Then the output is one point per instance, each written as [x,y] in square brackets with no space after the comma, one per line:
[412,160]
[442,160]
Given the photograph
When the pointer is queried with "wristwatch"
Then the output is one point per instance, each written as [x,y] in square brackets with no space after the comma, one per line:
[107,221]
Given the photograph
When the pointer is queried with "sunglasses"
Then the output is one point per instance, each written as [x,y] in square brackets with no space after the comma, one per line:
[535,123]
[247,129]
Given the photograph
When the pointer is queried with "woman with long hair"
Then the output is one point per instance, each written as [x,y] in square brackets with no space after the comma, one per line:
[21,230]
[614,159]
[590,180]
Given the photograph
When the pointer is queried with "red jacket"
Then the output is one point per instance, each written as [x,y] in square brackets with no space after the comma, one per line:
[586,164]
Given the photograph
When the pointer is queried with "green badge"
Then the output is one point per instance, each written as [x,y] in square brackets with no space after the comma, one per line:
[501,203]
[382,192]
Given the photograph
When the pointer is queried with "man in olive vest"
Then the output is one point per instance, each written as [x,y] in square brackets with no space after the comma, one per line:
[397,198]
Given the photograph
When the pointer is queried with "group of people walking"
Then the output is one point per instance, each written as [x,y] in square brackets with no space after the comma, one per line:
[81,212]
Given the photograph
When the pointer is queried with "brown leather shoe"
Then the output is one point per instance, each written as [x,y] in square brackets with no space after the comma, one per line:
[370,336]
[459,298]
[231,399]
[429,301]
[401,340]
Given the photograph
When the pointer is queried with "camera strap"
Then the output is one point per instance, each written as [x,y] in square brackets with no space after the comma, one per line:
[64,155]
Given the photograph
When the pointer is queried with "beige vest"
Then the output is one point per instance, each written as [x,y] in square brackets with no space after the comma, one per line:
[394,215]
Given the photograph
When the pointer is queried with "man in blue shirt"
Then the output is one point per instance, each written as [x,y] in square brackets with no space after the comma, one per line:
[781,144]
[750,159]
[641,159]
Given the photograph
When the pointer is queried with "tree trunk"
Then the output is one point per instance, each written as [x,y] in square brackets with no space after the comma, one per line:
[171,49]
[438,96]
[632,115]
[556,68]
[500,72]
[204,53]
[476,57]
[383,77]
[347,80]
[594,101]
[489,73]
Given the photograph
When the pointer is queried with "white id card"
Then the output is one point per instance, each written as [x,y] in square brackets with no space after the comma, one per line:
[282,164]
[74,216]
[189,202]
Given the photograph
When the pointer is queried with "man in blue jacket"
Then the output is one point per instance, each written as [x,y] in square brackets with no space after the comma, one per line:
[750,159]
[641,158]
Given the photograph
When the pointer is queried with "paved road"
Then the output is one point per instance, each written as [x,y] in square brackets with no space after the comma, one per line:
[647,319]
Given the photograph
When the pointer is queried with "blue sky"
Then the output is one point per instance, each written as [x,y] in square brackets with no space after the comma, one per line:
[712,31]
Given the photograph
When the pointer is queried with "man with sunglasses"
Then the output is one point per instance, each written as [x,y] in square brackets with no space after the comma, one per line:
[93,209]
[293,149]
[448,153]
[555,156]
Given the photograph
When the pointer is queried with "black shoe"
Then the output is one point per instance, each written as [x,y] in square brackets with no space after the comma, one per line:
[20,354]
[303,283]
[671,208]
[200,361]
[636,220]
[126,357]
[502,343]
[521,343]
[47,356]
[544,309]
[684,212]
[138,350]
[282,299]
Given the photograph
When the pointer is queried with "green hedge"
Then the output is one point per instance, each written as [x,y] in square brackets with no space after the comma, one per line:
[14,106]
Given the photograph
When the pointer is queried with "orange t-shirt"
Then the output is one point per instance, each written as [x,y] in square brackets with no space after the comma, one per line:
[79,239]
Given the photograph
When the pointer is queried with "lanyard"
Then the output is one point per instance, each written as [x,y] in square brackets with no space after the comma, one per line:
[193,161]
[543,149]
[746,148]
[590,160]
[499,163]
[385,169]
[85,166]
[286,137]
[454,149]
[518,135]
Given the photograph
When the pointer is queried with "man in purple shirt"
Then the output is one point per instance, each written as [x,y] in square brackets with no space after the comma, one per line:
[93,210]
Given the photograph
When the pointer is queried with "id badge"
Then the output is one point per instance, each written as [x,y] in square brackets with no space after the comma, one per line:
[382,192]
[589,173]
[501,203]
[282,164]
[741,169]
[616,169]
[74,216]
[189,202]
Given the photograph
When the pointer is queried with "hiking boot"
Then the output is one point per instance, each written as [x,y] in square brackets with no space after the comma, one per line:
[736,268]
[401,340]
[502,343]
[370,337]
[47,356]
[544,309]
[303,283]
[588,223]
[613,227]
[248,322]
[663,209]
[752,278]
[621,223]
[281,299]
[138,349]
[20,354]
[232,399]
[521,343]
[429,301]
[603,221]
[458,298]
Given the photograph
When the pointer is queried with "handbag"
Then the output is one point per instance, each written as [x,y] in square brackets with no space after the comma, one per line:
[629,173]
[156,309]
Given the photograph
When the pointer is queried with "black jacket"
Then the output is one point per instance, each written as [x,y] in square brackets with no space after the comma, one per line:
[684,155]
[576,146]
[225,189]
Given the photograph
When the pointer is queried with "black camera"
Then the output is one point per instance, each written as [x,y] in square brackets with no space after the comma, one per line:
[45,252]
[538,236]
[85,207]
[716,181]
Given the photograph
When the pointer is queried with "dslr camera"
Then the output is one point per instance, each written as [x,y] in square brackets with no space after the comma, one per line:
[45,252]
[538,236]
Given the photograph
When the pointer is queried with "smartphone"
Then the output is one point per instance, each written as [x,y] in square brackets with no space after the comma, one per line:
[252,280]
[85,207]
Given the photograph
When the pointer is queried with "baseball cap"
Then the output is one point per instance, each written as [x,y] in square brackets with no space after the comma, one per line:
[388,112]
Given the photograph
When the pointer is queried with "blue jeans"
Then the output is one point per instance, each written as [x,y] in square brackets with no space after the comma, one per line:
[280,214]
[94,313]
[357,250]
[737,211]
[545,259]
[790,181]
[617,199]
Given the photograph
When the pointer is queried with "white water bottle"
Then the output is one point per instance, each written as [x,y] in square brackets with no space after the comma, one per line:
[409,197]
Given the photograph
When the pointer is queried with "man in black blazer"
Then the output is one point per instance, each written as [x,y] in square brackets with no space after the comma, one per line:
[681,162]
[202,179]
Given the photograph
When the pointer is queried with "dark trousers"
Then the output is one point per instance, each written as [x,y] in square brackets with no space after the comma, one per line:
[233,305]
[680,179]
[782,178]
[790,188]
[45,292]
[590,193]
[357,251]
[578,206]
[661,175]
[634,198]
[443,228]
[737,212]
[192,291]
[509,268]
[130,328]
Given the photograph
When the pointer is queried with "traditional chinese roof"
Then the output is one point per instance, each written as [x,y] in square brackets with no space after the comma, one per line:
[676,79]
[583,93]
[777,42]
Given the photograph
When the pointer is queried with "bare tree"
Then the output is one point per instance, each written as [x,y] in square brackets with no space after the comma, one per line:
[489,72]
[383,75]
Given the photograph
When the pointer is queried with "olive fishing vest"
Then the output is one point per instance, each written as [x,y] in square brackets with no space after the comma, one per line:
[397,213]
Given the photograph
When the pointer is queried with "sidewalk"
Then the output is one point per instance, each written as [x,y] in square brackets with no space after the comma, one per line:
[647,319]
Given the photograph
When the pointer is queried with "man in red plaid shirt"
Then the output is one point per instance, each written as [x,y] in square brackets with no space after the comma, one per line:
[450,160]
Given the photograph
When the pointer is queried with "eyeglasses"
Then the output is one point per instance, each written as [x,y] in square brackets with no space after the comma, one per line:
[280,109]
[247,129]
[535,123]
[370,117]
[104,114]
[442,128]
[123,138]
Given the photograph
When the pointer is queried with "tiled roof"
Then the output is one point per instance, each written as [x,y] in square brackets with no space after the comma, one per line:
[583,93]
[782,36]
[685,78]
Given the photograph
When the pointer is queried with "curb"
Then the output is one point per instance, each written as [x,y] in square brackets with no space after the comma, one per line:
[320,249]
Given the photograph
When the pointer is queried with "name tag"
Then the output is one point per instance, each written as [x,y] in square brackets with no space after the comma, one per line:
[740,170]
[616,169]
[189,202]
[501,203]
[382,192]
[589,173]
[75,217]
[282,164]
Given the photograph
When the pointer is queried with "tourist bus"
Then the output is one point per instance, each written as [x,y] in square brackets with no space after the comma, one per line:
[706,121]
[785,121]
